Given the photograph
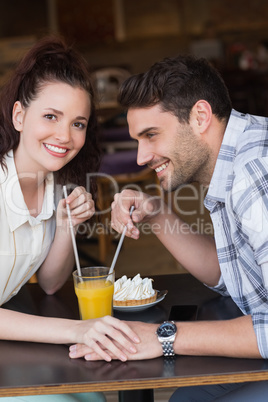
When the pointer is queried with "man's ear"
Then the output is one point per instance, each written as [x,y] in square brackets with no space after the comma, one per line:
[202,114]
[17,116]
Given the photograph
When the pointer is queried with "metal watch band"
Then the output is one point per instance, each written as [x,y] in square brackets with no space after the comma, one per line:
[168,350]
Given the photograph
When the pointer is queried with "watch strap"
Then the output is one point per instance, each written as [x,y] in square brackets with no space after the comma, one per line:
[168,350]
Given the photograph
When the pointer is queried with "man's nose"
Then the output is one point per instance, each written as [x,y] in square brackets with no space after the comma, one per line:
[144,156]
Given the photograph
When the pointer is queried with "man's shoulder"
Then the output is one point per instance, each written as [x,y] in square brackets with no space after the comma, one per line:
[252,143]
[249,179]
[245,135]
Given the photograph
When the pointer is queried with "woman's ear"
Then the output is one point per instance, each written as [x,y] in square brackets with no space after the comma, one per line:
[202,113]
[17,116]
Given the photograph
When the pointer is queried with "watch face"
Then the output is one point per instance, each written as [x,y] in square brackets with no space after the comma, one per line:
[166,329]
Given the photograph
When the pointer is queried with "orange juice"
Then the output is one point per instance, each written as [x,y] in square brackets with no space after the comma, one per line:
[95,298]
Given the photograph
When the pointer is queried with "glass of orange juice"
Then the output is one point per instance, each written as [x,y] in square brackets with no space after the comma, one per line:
[94,291]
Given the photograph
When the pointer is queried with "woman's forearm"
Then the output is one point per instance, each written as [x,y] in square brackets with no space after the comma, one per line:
[58,264]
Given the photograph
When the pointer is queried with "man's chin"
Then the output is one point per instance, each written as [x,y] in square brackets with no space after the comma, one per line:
[169,187]
[166,186]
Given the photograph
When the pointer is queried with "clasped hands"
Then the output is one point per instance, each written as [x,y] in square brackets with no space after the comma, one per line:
[112,339]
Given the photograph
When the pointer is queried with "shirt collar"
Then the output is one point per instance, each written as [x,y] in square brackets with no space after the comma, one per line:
[224,165]
[16,209]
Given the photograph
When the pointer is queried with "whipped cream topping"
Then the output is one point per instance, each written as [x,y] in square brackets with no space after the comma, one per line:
[133,289]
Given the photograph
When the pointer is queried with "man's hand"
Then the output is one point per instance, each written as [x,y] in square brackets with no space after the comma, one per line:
[145,207]
[148,348]
[104,338]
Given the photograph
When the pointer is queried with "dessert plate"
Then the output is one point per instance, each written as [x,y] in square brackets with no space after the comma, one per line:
[160,296]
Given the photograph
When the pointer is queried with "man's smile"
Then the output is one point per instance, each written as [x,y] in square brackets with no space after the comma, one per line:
[161,167]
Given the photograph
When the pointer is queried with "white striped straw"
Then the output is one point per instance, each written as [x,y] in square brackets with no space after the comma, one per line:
[72,233]
[120,244]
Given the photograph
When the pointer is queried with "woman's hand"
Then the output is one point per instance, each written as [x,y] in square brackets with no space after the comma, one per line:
[82,207]
[148,347]
[104,338]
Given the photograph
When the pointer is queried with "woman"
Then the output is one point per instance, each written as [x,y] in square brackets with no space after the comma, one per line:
[48,138]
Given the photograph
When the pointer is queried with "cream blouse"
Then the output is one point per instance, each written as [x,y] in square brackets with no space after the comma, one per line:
[24,240]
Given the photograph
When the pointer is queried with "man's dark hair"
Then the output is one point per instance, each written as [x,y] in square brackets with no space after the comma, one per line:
[176,84]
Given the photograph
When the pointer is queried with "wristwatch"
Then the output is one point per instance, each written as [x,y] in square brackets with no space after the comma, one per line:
[166,334]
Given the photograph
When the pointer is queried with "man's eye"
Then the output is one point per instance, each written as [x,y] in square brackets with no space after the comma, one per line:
[150,135]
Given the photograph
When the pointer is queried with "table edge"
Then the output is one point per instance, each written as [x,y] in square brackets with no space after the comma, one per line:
[138,384]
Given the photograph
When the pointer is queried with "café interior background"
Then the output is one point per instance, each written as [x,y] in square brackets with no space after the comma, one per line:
[131,35]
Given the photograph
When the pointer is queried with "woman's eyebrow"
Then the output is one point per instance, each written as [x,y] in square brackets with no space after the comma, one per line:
[51,109]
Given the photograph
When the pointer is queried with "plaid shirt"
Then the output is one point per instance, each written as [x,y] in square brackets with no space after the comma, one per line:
[238,203]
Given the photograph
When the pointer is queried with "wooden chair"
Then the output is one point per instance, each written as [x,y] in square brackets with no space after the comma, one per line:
[33,279]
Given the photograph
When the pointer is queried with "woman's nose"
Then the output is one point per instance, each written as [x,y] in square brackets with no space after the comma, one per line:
[63,134]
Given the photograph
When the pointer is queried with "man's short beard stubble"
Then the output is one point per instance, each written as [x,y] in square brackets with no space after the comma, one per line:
[196,166]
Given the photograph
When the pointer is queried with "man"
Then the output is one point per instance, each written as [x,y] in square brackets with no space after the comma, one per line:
[180,113]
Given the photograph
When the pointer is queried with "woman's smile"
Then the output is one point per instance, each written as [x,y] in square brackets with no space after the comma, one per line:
[55,150]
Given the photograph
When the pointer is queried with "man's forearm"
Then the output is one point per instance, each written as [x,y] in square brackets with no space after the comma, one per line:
[196,252]
[230,338]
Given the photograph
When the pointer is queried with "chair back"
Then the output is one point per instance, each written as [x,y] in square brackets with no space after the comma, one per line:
[107,81]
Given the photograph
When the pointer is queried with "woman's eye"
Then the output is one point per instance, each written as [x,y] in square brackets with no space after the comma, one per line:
[50,116]
[79,125]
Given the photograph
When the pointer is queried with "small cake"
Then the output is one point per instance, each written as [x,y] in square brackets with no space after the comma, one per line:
[133,292]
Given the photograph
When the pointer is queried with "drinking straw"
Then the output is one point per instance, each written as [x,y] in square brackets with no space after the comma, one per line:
[72,233]
[119,244]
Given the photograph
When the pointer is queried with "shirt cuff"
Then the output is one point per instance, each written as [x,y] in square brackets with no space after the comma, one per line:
[260,324]
[220,287]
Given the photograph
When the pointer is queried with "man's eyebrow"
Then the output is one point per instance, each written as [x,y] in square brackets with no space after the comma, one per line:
[146,130]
